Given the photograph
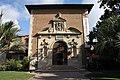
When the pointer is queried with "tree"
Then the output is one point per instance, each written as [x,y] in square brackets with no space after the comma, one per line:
[7,34]
[108,41]
[108,32]
[108,35]
[9,37]
[108,27]
[112,7]
[92,36]
[17,45]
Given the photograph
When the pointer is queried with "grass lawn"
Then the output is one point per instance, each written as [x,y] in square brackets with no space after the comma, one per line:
[104,75]
[104,78]
[14,75]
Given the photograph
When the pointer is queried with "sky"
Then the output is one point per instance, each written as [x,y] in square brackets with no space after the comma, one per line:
[15,10]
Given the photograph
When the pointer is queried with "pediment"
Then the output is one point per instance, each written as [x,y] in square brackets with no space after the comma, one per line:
[74,30]
[58,26]
[69,31]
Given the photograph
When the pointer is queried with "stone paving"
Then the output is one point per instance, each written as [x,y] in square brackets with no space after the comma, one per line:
[61,75]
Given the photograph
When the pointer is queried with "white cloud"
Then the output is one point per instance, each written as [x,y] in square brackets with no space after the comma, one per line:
[44,1]
[52,1]
[95,13]
[16,24]
[10,14]
[22,10]
[89,1]
[17,11]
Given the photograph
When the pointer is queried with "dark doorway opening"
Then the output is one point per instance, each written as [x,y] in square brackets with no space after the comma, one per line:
[59,53]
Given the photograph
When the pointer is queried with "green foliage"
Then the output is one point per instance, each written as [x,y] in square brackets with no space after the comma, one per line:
[25,63]
[92,36]
[17,44]
[107,33]
[2,66]
[108,37]
[108,30]
[7,33]
[112,7]
[19,65]
[8,37]
[108,42]
[108,45]
[13,65]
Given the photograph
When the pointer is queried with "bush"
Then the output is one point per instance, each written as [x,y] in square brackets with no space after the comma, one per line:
[10,64]
[25,63]
[13,65]
[19,65]
[2,66]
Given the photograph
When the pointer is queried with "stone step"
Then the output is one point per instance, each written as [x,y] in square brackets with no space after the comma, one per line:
[62,67]
[59,68]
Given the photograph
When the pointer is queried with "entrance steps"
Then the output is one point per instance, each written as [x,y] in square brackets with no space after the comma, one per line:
[59,68]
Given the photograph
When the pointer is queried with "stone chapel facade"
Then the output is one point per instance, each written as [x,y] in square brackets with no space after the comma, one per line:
[57,35]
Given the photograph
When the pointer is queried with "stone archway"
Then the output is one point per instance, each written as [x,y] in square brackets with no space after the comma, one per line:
[59,56]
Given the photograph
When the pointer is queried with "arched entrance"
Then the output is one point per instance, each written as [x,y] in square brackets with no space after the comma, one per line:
[59,56]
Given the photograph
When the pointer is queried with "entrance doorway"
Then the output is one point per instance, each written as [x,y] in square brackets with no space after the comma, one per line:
[59,56]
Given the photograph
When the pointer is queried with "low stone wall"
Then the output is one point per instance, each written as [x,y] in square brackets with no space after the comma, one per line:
[2,57]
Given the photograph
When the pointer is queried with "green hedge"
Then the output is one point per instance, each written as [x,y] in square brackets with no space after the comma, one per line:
[15,65]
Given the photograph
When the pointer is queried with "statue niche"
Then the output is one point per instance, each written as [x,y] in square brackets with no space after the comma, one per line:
[58,23]
[59,26]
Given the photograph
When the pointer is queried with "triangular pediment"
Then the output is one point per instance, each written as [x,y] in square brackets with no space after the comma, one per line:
[69,31]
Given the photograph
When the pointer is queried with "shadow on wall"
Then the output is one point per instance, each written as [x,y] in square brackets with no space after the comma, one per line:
[44,62]
[33,60]
[41,62]
[82,56]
